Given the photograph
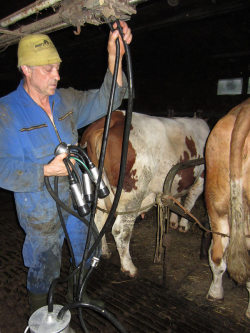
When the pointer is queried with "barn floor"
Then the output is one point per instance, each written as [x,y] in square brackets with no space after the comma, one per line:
[141,305]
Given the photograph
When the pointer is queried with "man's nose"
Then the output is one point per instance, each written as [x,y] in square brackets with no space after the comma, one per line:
[56,75]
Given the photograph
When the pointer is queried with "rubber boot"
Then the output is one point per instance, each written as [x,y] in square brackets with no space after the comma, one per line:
[85,297]
[36,301]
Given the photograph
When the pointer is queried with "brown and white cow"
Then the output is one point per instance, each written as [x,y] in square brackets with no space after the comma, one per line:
[227,193]
[155,145]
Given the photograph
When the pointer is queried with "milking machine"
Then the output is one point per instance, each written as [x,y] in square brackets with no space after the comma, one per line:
[85,186]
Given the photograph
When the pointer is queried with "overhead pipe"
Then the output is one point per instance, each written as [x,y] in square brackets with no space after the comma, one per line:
[27,11]
[9,32]
[137,2]
[46,25]
[36,7]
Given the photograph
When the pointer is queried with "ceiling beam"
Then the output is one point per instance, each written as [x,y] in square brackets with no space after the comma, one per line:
[27,11]
[90,11]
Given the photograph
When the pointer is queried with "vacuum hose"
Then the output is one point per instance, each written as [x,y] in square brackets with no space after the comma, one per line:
[81,197]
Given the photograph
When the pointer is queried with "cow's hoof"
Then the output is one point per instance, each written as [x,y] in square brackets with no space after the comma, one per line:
[106,255]
[183,229]
[173,225]
[214,300]
[129,274]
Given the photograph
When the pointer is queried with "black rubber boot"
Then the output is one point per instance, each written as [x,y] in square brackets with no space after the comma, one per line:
[36,301]
[85,297]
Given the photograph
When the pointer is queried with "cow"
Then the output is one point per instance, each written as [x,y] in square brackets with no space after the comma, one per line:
[155,145]
[227,197]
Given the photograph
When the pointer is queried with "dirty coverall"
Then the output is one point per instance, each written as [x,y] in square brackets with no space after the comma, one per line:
[28,140]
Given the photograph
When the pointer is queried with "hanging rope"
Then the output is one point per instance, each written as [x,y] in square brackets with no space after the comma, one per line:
[163,202]
[160,229]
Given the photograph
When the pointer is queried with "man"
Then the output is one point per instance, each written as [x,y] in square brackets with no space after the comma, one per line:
[34,119]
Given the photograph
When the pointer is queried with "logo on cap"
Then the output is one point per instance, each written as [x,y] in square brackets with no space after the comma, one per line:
[45,43]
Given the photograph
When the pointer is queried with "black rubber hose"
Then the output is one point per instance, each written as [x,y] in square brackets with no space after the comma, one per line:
[53,285]
[55,281]
[55,196]
[83,284]
[106,314]
[63,224]
[128,120]
[100,170]
[74,172]
[58,280]
[103,151]
[81,155]
[70,211]
[81,151]
[62,204]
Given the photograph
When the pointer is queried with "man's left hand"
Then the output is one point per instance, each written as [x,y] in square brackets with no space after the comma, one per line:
[127,37]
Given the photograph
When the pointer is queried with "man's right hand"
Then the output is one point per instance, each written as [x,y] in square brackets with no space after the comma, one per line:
[56,167]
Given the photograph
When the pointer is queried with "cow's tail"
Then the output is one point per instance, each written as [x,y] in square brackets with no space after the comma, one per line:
[237,254]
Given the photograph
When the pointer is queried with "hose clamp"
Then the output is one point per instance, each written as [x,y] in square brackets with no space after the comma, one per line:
[95,262]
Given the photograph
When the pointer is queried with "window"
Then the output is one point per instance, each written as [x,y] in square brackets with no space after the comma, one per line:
[230,87]
[248,86]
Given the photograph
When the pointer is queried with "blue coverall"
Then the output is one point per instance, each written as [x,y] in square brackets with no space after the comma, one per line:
[28,139]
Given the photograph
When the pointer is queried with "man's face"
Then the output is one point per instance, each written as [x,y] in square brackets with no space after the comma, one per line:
[43,79]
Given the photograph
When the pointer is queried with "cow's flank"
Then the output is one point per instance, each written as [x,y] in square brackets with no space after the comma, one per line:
[155,146]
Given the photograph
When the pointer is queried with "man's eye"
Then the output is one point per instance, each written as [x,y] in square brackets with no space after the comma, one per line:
[47,69]
[50,69]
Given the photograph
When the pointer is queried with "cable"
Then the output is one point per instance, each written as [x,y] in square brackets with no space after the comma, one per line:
[103,312]
[91,225]
[126,132]
[128,120]
[65,207]
[103,150]
[83,165]
[100,169]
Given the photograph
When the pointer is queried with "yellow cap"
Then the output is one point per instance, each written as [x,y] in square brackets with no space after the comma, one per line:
[37,50]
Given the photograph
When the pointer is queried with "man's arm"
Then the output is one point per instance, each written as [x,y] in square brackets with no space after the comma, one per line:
[127,36]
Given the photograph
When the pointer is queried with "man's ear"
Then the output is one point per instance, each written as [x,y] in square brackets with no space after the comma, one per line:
[26,70]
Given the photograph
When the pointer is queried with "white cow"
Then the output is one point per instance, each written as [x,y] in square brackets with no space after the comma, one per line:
[155,145]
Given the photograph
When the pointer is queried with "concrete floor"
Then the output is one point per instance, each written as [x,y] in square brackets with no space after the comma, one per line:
[141,305]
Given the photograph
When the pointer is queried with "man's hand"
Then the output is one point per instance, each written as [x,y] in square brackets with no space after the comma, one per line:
[56,167]
[127,36]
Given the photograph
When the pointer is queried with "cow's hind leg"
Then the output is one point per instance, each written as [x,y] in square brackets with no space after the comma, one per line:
[218,263]
[100,219]
[122,231]
[193,194]
[216,289]
[173,221]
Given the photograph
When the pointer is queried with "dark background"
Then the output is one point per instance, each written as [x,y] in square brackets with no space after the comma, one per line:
[180,49]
